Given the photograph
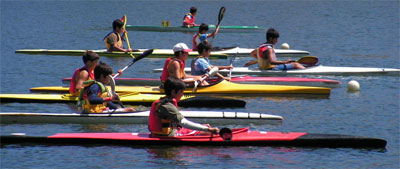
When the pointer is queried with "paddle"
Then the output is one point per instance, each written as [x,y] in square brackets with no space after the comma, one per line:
[135,59]
[220,17]
[307,60]
[212,72]
[226,134]
[125,20]
[232,60]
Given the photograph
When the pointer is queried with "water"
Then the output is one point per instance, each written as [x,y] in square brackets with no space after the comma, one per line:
[340,33]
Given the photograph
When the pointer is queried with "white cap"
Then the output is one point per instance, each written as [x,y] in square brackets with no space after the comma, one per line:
[181,47]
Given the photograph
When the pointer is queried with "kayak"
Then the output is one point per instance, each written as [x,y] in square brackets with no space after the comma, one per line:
[158,53]
[246,79]
[315,70]
[128,98]
[245,52]
[142,117]
[239,137]
[222,87]
[211,28]
[221,53]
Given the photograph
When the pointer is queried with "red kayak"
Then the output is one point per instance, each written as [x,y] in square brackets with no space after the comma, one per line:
[234,137]
[295,81]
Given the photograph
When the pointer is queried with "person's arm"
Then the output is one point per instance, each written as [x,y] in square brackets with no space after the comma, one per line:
[173,69]
[270,55]
[113,41]
[92,94]
[171,112]
[214,33]
[82,77]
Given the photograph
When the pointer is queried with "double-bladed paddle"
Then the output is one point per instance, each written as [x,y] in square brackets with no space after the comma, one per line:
[307,60]
[125,20]
[135,59]
[220,17]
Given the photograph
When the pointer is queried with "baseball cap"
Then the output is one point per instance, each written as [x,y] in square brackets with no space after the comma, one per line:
[181,47]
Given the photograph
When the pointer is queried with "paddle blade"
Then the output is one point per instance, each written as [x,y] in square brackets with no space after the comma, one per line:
[144,54]
[124,19]
[226,134]
[308,60]
[221,14]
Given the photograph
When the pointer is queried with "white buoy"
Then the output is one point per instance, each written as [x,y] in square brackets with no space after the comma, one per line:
[285,46]
[353,86]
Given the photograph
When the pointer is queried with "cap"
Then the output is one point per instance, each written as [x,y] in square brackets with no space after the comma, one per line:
[181,47]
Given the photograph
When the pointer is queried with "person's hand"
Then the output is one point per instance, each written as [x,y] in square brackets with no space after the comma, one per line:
[288,61]
[230,67]
[213,130]
[129,109]
[128,50]
[120,72]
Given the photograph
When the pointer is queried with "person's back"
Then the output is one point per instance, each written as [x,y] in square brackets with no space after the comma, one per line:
[189,18]
[166,120]
[113,40]
[90,59]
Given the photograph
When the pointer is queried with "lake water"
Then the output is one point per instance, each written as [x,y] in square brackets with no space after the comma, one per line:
[340,33]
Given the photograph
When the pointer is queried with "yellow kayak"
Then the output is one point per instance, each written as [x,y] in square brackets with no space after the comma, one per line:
[130,98]
[222,87]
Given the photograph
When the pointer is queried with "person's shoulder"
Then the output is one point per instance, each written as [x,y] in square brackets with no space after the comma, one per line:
[168,107]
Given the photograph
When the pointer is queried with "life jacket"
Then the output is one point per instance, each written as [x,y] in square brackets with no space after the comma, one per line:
[197,39]
[72,85]
[157,125]
[263,61]
[84,102]
[165,74]
[110,48]
[188,19]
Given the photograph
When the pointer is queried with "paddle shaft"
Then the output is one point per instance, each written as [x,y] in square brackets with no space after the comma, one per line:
[126,36]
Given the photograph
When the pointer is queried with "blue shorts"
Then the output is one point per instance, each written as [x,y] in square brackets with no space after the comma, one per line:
[284,67]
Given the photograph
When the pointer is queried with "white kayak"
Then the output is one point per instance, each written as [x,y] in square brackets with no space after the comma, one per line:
[246,52]
[142,117]
[315,70]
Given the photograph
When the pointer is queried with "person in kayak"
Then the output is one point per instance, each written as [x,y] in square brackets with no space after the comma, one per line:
[90,59]
[175,66]
[165,118]
[265,54]
[95,97]
[188,19]
[201,64]
[202,35]
[113,40]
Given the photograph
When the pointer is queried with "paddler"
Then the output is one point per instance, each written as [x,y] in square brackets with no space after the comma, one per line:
[113,40]
[201,64]
[90,59]
[175,66]
[202,35]
[95,97]
[165,118]
[265,54]
[188,19]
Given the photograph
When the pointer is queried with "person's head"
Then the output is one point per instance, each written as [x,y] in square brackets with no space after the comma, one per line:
[193,10]
[272,36]
[174,87]
[90,59]
[181,51]
[203,28]
[118,25]
[102,72]
[204,48]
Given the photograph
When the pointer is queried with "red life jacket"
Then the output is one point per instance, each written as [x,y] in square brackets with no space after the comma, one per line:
[72,85]
[157,125]
[165,73]
[188,20]
[263,62]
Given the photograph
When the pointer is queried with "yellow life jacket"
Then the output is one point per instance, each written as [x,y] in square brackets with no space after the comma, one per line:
[84,102]
[109,46]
